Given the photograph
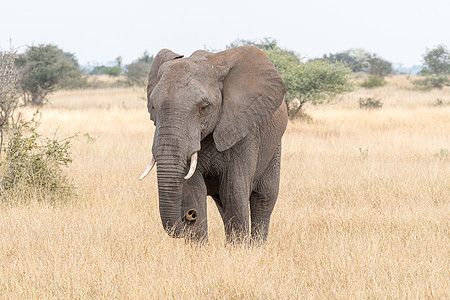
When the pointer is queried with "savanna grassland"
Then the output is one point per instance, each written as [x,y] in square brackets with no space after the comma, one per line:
[363,210]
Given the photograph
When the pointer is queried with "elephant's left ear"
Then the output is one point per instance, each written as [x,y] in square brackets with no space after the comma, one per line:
[252,91]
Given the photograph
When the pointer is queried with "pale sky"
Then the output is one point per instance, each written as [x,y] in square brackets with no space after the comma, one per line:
[99,31]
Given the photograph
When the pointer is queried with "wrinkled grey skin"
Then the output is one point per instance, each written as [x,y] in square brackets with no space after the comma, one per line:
[229,108]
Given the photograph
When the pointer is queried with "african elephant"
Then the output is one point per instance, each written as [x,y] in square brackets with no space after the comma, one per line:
[219,117]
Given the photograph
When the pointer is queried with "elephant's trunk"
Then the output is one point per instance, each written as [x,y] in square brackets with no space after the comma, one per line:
[170,174]
[172,146]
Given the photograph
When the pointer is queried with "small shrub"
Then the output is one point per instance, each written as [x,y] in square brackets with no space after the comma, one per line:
[370,103]
[442,154]
[300,114]
[90,139]
[373,82]
[364,153]
[114,71]
[303,115]
[102,82]
[440,102]
[33,164]
[432,82]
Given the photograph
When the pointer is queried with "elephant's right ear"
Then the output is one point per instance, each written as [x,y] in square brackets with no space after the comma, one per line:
[163,56]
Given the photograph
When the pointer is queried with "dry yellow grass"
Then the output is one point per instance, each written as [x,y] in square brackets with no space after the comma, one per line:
[363,210]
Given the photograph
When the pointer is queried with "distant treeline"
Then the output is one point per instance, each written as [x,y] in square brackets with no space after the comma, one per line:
[45,68]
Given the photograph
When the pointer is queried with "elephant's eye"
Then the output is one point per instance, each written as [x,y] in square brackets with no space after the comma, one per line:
[204,108]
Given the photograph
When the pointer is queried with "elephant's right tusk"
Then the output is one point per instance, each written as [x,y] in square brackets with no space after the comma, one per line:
[149,168]
[192,167]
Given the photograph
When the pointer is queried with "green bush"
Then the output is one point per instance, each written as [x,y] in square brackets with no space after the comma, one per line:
[440,102]
[114,71]
[103,70]
[33,165]
[442,154]
[432,81]
[95,82]
[364,152]
[373,82]
[370,103]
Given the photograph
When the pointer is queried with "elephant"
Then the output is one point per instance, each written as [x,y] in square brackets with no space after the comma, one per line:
[219,117]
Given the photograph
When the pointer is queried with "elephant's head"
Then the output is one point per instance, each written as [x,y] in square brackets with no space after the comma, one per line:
[226,94]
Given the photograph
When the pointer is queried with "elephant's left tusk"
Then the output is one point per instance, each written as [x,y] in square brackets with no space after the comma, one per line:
[149,168]
[192,167]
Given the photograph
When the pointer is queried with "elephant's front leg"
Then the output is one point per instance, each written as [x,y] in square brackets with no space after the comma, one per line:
[235,191]
[194,208]
[263,198]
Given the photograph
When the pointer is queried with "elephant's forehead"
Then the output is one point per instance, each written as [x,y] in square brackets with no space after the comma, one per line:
[186,87]
[179,87]
[182,69]
[185,76]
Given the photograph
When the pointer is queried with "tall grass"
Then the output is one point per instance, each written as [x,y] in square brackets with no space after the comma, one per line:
[363,210]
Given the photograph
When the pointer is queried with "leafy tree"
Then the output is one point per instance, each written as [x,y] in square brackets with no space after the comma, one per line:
[45,68]
[347,58]
[137,72]
[356,59]
[437,61]
[379,67]
[312,82]
[436,69]
[119,61]
[264,44]
[359,60]
[9,90]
